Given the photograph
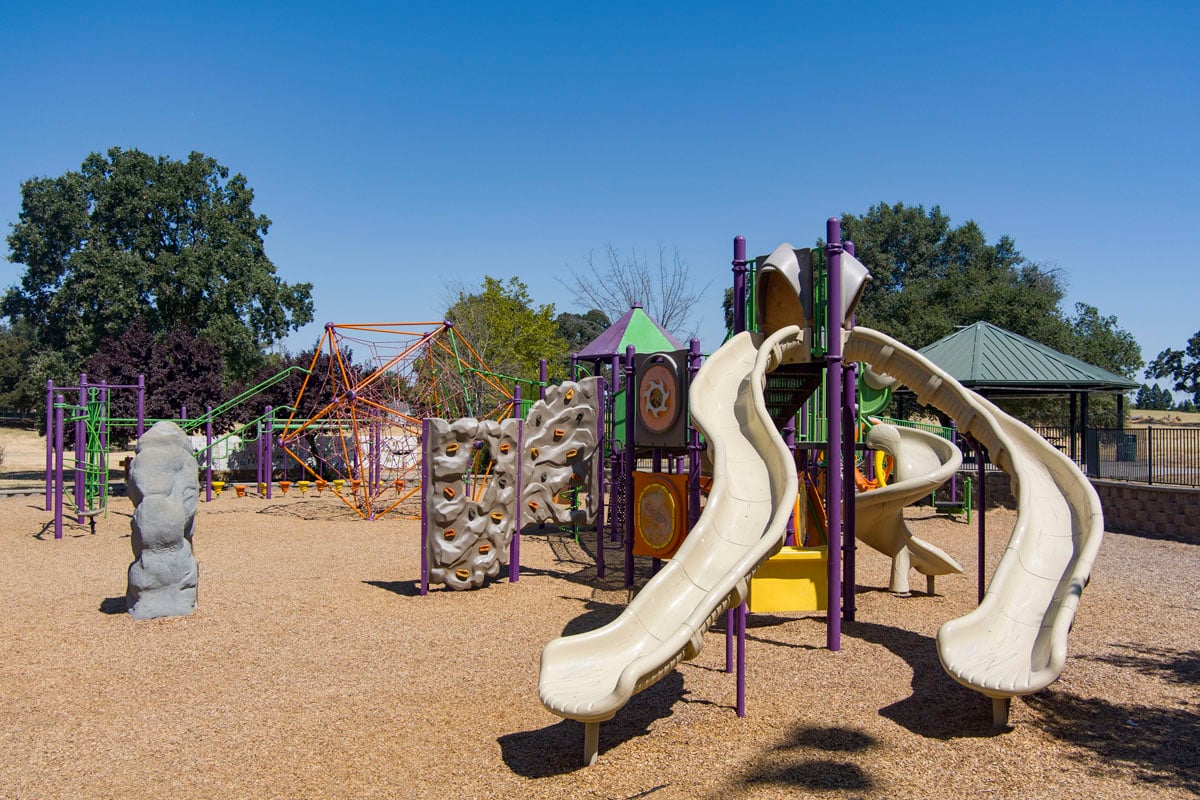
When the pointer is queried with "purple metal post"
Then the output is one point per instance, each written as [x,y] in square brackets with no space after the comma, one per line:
[954,477]
[789,439]
[602,390]
[269,466]
[741,659]
[183,413]
[833,410]
[693,447]
[630,463]
[141,405]
[49,442]
[208,443]
[425,506]
[849,545]
[618,459]
[258,472]
[739,284]
[81,446]
[979,513]
[58,466]
[514,550]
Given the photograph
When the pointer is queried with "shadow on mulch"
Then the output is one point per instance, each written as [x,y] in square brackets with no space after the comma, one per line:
[113,605]
[402,588]
[1173,666]
[938,708]
[806,761]
[558,749]
[1153,745]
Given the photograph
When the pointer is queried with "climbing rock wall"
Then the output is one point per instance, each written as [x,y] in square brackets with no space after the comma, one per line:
[164,487]
[470,526]
[560,444]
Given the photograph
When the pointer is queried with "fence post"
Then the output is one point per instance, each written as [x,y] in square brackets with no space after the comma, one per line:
[1149,455]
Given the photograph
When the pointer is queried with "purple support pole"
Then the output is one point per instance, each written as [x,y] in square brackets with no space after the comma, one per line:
[789,439]
[49,442]
[542,379]
[599,472]
[183,413]
[141,405]
[80,446]
[741,659]
[58,466]
[208,442]
[425,506]
[849,544]
[269,466]
[514,550]
[979,513]
[954,477]
[739,283]
[729,634]
[618,460]
[693,447]
[630,463]
[258,453]
[833,410]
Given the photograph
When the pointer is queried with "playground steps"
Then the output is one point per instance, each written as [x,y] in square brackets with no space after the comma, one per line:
[787,389]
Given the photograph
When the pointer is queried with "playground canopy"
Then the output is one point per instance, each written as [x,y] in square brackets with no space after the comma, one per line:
[996,363]
[635,328]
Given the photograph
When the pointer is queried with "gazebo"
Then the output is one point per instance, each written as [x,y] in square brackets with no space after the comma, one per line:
[999,363]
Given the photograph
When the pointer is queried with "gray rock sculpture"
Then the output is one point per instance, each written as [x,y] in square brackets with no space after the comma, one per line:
[164,486]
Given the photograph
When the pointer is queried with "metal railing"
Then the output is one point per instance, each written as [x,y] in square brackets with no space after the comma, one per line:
[1155,455]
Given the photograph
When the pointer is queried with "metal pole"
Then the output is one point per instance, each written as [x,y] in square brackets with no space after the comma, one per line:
[514,551]
[208,443]
[425,506]
[739,284]
[602,400]
[849,545]
[630,463]
[980,512]
[269,467]
[741,659]
[833,410]
[58,465]
[693,447]
[141,405]
[729,635]
[49,442]
[80,447]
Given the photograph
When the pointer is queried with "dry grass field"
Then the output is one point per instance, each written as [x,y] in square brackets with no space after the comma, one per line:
[312,668]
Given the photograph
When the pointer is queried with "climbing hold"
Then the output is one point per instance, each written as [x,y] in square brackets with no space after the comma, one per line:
[559,433]
[533,452]
[504,447]
[533,506]
[484,549]
[568,395]
[452,448]
[572,453]
[463,574]
[449,492]
[497,517]
[449,534]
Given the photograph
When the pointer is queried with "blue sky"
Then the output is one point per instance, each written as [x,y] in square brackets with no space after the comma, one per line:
[396,146]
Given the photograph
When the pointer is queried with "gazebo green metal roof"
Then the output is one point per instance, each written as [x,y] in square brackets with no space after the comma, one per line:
[994,361]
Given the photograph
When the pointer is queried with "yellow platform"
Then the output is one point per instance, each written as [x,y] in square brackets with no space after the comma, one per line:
[795,579]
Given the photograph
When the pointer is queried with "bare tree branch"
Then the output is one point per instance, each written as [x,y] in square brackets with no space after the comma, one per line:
[665,290]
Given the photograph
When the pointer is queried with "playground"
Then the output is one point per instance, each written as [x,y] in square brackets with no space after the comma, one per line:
[312,668]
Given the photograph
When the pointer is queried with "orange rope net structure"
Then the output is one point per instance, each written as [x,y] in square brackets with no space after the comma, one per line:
[355,425]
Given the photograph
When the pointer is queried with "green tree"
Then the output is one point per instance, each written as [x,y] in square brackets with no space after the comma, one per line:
[578,330]
[510,333]
[1180,366]
[173,243]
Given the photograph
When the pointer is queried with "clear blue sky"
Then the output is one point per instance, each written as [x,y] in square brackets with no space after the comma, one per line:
[395,145]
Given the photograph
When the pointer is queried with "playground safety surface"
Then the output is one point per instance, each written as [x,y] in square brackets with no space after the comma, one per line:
[313,669]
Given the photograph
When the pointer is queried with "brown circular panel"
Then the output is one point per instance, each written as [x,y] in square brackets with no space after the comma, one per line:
[658,398]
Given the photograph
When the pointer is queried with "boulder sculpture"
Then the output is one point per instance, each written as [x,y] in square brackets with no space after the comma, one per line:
[164,486]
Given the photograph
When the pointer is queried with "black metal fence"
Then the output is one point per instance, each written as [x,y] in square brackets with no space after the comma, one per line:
[1156,455]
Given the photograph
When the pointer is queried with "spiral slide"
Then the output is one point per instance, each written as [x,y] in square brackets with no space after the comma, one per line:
[923,462]
[591,676]
[1015,642]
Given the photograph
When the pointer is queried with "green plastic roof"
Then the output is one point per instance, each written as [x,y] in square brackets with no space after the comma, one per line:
[634,328]
[985,357]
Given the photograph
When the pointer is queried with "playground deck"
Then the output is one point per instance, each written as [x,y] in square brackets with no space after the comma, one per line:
[313,669]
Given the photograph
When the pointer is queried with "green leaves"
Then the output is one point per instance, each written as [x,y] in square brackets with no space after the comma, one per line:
[175,244]
[1180,366]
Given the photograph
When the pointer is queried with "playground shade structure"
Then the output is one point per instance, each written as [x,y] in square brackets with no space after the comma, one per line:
[590,676]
